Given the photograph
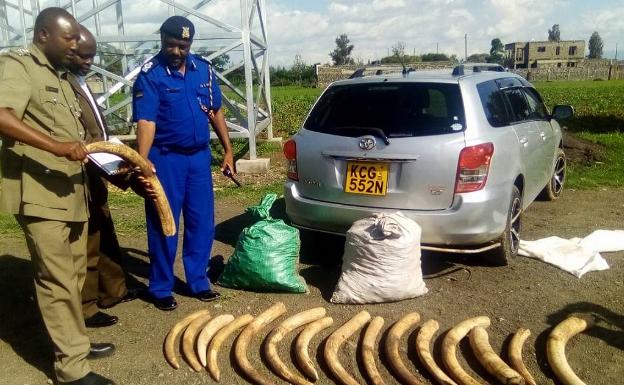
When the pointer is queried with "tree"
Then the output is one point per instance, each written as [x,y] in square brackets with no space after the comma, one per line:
[478,58]
[398,51]
[435,57]
[554,34]
[497,52]
[342,54]
[595,46]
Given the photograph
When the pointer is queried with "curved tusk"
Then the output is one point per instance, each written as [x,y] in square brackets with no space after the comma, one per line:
[368,350]
[490,360]
[302,357]
[515,354]
[336,339]
[277,334]
[169,345]
[217,341]
[555,348]
[392,348]
[240,348]
[209,330]
[188,341]
[449,347]
[133,157]
[423,341]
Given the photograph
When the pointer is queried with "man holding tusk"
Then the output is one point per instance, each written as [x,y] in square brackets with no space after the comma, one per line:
[176,99]
[44,186]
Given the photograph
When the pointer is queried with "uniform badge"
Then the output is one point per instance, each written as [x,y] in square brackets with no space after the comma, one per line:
[186,32]
[147,66]
[22,51]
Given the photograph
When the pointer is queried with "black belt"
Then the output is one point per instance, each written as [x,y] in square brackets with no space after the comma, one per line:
[181,150]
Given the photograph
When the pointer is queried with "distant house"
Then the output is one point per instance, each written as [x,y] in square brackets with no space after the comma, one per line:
[544,54]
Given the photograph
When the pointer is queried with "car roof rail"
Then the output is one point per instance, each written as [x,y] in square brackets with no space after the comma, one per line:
[358,73]
[462,69]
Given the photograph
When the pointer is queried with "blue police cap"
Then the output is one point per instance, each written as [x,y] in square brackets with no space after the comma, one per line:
[178,27]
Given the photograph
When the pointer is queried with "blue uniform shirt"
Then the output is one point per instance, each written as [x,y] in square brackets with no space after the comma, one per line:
[177,103]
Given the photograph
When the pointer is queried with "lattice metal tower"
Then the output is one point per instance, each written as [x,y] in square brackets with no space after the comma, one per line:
[127,35]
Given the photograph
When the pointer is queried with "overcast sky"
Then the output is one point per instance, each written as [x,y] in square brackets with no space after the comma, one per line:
[309,27]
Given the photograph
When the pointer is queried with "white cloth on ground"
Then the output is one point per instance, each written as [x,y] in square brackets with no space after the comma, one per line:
[577,255]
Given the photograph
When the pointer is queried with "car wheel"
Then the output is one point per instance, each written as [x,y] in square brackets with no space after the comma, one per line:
[552,191]
[510,239]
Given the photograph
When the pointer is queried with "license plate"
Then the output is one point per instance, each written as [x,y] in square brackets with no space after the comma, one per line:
[366,178]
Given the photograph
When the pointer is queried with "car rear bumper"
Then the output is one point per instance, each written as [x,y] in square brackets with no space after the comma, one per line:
[473,218]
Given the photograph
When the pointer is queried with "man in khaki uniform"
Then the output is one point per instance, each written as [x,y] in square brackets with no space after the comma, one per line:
[43,182]
[105,283]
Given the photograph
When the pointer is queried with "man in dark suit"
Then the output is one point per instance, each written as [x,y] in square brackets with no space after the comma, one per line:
[105,283]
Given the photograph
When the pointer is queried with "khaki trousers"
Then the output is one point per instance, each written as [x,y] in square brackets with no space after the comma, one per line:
[58,252]
[105,282]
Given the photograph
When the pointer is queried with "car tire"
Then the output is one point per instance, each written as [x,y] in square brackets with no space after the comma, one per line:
[552,191]
[510,239]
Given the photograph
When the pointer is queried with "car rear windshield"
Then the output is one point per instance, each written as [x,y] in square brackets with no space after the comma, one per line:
[397,109]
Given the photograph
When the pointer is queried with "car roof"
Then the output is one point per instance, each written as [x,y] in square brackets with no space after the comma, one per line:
[430,76]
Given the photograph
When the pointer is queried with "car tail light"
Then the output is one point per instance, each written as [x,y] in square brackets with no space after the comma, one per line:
[290,151]
[473,167]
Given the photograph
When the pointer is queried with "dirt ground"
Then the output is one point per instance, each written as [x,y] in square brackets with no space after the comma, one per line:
[526,294]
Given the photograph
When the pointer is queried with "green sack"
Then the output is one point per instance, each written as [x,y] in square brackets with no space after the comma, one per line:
[266,255]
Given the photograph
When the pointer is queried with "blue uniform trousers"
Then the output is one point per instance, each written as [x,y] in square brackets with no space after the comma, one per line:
[187,181]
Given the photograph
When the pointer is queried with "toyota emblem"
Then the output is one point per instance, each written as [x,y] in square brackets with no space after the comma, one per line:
[367,143]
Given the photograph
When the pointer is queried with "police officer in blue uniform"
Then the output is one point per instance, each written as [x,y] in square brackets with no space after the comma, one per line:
[175,101]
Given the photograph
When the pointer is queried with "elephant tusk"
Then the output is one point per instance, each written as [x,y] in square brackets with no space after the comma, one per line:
[368,350]
[240,348]
[169,345]
[449,347]
[515,355]
[392,348]
[490,360]
[555,348]
[188,341]
[302,357]
[217,341]
[278,334]
[133,157]
[209,330]
[336,339]
[423,341]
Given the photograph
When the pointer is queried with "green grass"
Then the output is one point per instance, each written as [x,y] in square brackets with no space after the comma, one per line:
[606,173]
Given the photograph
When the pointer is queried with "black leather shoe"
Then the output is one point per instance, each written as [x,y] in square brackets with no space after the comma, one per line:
[165,303]
[207,295]
[100,319]
[100,350]
[90,379]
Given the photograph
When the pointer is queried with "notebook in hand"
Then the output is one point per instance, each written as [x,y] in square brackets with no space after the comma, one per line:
[110,164]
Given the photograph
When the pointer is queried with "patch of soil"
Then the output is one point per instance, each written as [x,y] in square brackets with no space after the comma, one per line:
[581,151]
[527,294]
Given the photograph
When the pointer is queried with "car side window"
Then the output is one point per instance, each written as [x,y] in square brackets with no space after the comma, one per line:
[537,109]
[517,101]
[493,103]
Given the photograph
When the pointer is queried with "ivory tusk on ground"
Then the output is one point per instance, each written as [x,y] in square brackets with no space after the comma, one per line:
[169,345]
[368,350]
[133,157]
[449,348]
[490,360]
[515,354]
[555,348]
[188,341]
[240,348]
[277,334]
[208,331]
[336,339]
[218,339]
[302,356]
[423,341]
[392,348]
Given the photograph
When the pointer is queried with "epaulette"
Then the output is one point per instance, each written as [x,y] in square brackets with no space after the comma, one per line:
[203,59]
[21,51]
[147,67]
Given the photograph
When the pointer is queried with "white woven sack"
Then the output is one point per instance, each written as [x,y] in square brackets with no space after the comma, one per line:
[381,261]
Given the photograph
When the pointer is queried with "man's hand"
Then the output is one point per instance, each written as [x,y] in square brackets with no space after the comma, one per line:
[71,150]
[228,164]
[151,169]
[142,186]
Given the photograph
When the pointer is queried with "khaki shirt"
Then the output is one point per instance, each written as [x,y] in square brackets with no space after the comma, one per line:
[36,182]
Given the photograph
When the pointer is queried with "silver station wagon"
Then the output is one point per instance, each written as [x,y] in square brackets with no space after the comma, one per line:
[461,153]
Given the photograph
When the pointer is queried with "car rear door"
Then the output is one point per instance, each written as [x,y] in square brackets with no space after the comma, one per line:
[385,145]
